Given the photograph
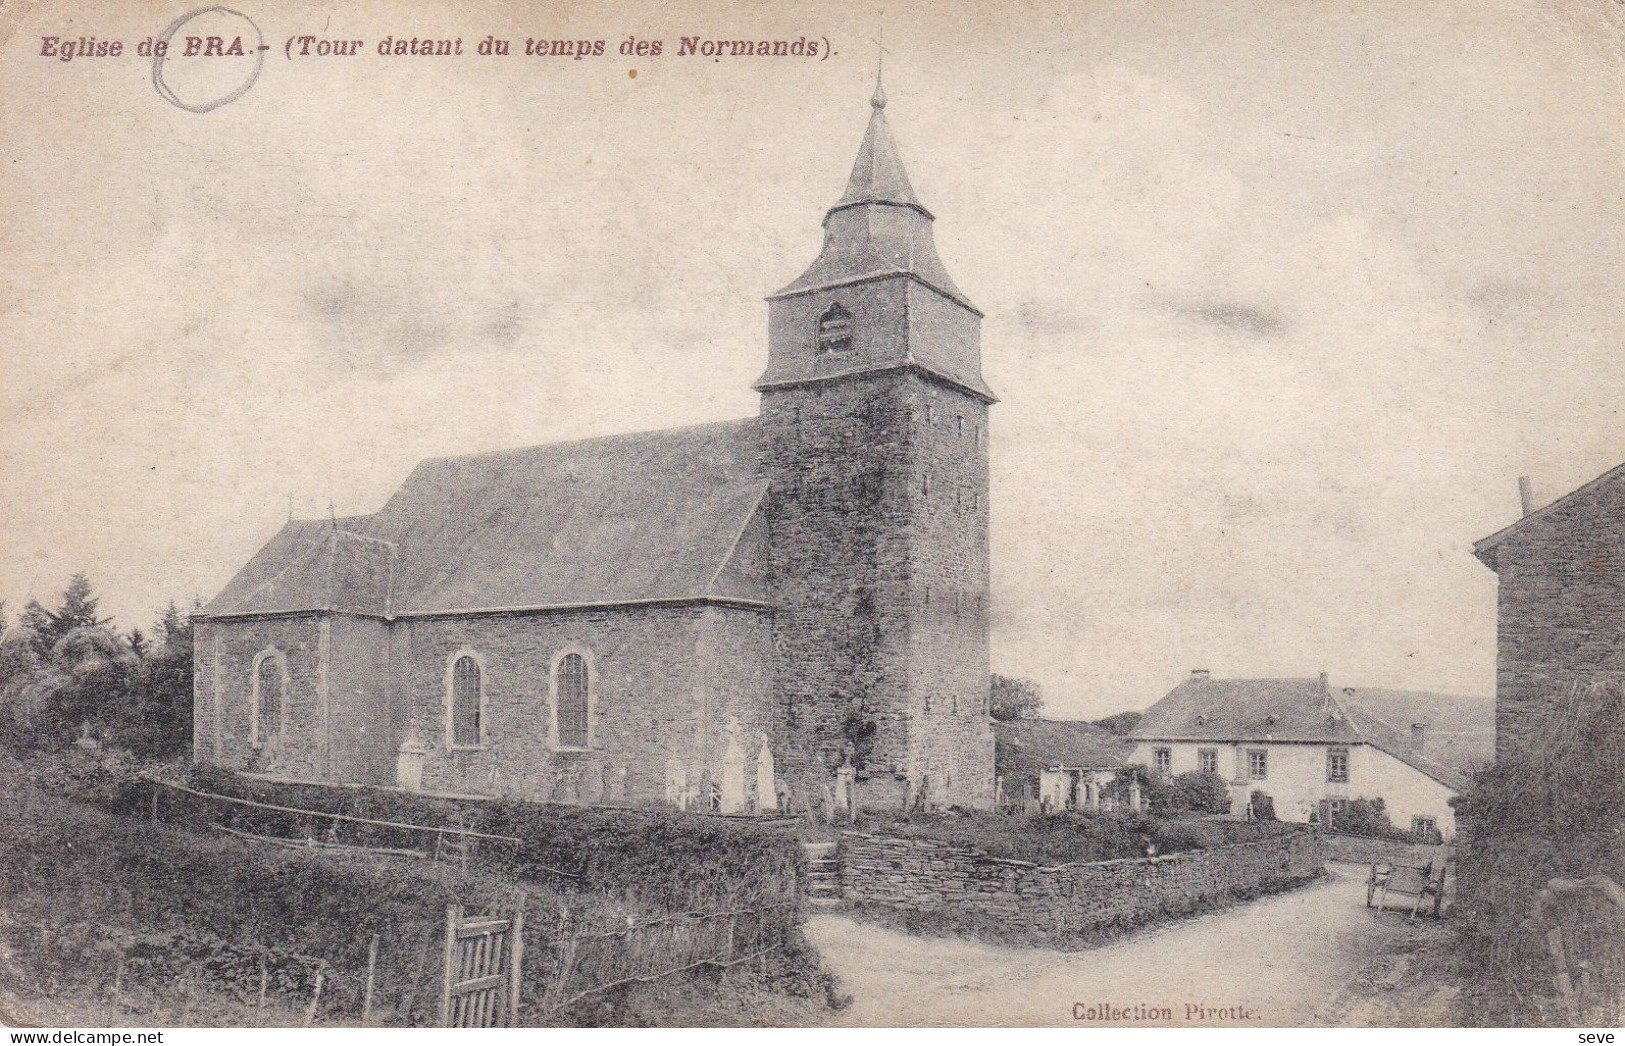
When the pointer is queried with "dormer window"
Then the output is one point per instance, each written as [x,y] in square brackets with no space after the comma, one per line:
[835,330]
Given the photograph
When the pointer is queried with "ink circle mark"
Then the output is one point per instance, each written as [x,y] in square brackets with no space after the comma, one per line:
[174,27]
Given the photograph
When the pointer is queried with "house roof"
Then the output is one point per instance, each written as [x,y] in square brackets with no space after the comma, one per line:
[622,519]
[1246,710]
[1027,746]
[1485,549]
[1458,730]
[1281,710]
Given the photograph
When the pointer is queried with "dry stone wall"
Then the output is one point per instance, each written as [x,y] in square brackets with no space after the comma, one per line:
[1069,904]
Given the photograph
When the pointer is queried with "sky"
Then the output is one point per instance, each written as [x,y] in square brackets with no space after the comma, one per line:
[1281,298]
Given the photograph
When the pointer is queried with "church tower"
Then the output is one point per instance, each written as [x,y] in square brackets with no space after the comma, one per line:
[875,417]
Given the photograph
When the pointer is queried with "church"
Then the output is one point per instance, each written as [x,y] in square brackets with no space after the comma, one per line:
[738,616]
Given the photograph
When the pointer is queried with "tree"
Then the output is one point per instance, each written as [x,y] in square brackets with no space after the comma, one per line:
[174,628]
[78,610]
[1122,724]
[1014,699]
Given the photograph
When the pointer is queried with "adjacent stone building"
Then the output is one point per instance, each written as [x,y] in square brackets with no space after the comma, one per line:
[720,615]
[1560,621]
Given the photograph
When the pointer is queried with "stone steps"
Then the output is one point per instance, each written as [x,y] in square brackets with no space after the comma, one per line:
[823,874]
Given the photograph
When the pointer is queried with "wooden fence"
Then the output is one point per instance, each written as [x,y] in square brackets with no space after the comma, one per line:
[327,831]
[592,962]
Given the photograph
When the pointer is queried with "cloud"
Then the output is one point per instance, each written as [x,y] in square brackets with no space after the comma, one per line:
[1228,316]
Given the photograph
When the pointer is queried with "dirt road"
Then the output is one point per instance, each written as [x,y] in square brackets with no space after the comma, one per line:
[1287,960]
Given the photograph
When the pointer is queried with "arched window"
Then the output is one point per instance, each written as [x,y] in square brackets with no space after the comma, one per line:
[572,701]
[835,329]
[466,700]
[270,685]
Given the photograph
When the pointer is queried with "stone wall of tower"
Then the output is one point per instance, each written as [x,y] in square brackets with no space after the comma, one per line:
[878,513]
[837,460]
[952,740]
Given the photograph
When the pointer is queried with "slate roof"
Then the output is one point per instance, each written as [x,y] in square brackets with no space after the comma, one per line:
[620,519]
[1485,549]
[1027,746]
[1246,710]
[878,227]
[1282,710]
[1458,730]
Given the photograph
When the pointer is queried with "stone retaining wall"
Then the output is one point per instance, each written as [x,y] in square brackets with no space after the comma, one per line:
[1070,904]
[1358,849]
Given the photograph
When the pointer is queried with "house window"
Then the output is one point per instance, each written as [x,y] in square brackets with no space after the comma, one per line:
[1425,828]
[572,701]
[1337,765]
[1162,759]
[1207,760]
[835,330]
[1258,764]
[465,695]
[269,698]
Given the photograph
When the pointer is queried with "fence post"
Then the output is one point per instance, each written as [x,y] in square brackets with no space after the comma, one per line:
[516,958]
[315,999]
[372,967]
[567,959]
[454,915]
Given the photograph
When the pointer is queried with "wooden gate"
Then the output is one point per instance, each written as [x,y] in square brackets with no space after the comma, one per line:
[483,960]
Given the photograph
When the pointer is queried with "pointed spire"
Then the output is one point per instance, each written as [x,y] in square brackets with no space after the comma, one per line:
[877,174]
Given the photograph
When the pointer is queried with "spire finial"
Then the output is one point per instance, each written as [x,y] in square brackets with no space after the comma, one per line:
[878,100]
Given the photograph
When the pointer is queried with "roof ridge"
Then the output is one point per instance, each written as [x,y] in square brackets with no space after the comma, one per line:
[605,438]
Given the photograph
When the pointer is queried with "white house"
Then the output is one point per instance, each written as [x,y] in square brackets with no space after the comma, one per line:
[1301,744]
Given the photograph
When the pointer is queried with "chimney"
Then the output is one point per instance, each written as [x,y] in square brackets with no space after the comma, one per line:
[1526,494]
[1418,730]
[1325,682]
[1200,674]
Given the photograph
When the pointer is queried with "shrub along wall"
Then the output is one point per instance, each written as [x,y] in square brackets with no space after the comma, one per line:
[89,897]
[665,861]
[1363,849]
[1072,905]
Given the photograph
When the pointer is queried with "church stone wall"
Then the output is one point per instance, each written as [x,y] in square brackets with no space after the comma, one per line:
[1561,611]
[666,681]
[225,653]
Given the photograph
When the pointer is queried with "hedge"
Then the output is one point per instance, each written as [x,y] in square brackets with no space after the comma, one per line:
[1072,836]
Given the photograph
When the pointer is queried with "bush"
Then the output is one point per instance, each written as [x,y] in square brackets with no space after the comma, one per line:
[1069,837]
[1195,792]
[666,861]
[1368,818]
[1549,811]
[1261,805]
[93,887]
[90,892]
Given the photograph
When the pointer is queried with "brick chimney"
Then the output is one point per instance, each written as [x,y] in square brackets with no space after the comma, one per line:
[1526,494]
[1200,674]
